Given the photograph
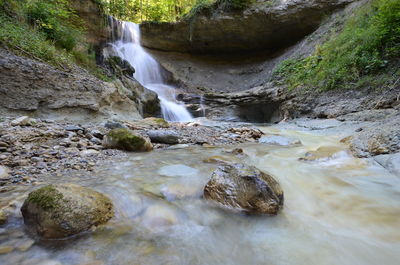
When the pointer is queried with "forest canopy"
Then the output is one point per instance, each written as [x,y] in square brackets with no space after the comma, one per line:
[164,10]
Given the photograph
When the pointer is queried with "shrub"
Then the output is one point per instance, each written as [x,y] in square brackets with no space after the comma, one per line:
[369,41]
[56,20]
[26,41]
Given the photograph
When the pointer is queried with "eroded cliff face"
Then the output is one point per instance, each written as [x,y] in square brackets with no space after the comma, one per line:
[95,22]
[239,71]
[31,87]
[266,25]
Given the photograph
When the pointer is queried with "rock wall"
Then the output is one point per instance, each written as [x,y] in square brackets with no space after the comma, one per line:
[204,73]
[97,31]
[265,26]
[29,86]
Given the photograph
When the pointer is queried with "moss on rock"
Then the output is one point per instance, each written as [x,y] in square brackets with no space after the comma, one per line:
[45,197]
[157,122]
[57,211]
[125,139]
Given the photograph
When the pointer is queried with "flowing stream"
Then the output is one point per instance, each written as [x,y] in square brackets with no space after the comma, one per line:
[147,70]
[341,210]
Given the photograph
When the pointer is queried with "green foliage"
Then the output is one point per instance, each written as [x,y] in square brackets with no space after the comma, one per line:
[198,7]
[369,42]
[234,4]
[56,20]
[46,30]
[25,40]
[167,10]
[149,10]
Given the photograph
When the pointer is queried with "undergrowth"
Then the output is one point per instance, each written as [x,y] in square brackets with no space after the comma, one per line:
[364,53]
[209,6]
[48,31]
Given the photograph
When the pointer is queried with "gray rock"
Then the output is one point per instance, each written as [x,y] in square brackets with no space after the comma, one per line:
[53,93]
[113,125]
[57,211]
[278,140]
[163,136]
[244,188]
[272,27]
[95,141]
[21,121]
[124,139]
[3,172]
[73,128]
[97,134]
[382,137]
[390,162]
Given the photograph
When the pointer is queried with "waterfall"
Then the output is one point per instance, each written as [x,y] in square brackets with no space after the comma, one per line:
[147,70]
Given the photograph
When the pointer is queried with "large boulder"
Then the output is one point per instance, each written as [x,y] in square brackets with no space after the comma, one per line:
[124,139]
[57,211]
[244,188]
[263,26]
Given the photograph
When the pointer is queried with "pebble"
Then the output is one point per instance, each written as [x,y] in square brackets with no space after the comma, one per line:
[113,125]
[41,165]
[95,141]
[21,121]
[89,152]
[3,217]
[97,134]
[27,244]
[3,172]
[6,249]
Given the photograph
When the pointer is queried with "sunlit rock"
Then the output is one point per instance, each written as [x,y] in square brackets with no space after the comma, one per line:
[323,152]
[125,139]
[57,211]
[279,140]
[244,188]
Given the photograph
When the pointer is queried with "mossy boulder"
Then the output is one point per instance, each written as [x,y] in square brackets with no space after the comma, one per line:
[124,139]
[62,210]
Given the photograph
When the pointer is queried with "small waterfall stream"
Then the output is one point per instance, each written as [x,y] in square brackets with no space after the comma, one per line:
[147,70]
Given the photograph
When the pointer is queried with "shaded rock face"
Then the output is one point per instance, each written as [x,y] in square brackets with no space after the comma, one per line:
[28,86]
[94,20]
[260,104]
[272,27]
[244,188]
[125,139]
[58,211]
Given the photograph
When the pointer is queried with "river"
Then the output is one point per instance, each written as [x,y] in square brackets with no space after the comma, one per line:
[341,210]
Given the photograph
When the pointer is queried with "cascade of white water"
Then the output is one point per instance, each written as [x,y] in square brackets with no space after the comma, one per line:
[147,70]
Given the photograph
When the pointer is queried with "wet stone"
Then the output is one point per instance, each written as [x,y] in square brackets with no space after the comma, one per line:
[73,128]
[27,244]
[6,249]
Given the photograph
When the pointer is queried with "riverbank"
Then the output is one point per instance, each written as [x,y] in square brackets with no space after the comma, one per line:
[31,149]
